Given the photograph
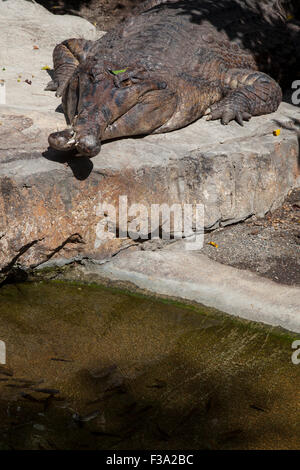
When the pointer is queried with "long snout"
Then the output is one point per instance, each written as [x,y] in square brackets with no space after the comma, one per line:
[106,104]
[99,103]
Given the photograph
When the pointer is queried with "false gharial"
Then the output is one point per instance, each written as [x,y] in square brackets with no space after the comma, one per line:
[164,67]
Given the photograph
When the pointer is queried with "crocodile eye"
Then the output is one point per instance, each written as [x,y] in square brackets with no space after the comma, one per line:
[126,83]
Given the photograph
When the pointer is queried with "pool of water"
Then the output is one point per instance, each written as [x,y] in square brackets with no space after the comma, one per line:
[91,367]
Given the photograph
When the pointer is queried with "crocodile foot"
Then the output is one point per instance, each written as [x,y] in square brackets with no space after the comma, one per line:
[228,110]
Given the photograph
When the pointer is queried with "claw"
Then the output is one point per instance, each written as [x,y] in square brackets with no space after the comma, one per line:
[239,119]
[209,118]
[71,141]
[208,111]
[51,86]
[247,116]
[225,120]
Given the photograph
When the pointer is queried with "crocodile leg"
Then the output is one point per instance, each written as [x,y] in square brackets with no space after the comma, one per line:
[66,57]
[249,93]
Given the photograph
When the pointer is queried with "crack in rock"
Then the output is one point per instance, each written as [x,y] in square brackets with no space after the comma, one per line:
[12,272]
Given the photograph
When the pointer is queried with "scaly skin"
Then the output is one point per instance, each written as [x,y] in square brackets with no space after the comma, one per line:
[176,70]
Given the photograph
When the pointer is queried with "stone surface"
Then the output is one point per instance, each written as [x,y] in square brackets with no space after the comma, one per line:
[23,25]
[45,202]
[193,276]
[49,203]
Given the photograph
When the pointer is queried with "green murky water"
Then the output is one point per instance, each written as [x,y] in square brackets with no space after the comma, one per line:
[97,368]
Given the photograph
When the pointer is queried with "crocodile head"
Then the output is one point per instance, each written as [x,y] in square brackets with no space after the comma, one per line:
[96,97]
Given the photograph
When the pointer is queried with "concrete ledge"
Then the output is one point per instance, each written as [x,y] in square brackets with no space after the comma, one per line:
[195,277]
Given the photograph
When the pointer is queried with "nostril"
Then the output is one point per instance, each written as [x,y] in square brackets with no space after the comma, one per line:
[89,145]
[60,140]
[162,85]
[89,141]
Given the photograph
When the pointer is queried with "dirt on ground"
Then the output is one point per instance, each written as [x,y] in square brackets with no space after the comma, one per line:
[269,246]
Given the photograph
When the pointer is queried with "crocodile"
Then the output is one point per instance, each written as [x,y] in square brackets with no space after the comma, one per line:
[164,67]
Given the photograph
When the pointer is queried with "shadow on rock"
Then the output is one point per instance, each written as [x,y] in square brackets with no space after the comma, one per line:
[80,166]
[59,109]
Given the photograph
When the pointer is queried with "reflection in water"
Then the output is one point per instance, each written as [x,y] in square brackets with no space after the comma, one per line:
[97,368]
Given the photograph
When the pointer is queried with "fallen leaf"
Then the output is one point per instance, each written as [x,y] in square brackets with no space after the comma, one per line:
[35,47]
[214,244]
[276,132]
[116,72]
[46,67]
